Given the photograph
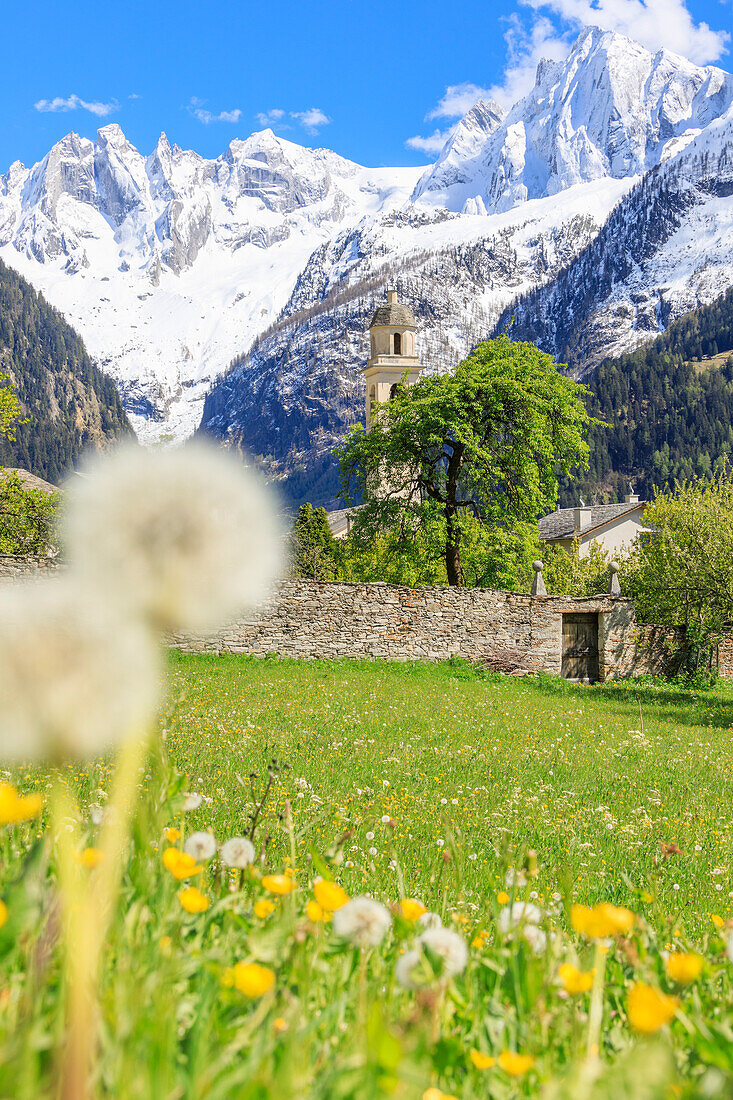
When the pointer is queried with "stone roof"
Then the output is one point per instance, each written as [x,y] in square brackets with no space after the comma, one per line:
[29,480]
[561,524]
[394,314]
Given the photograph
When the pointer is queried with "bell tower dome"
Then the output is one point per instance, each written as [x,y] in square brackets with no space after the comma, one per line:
[392,352]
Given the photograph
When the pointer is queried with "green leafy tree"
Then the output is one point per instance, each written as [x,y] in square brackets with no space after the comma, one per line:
[315,552]
[567,574]
[682,572]
[27,516]
[10,409]
[487,442]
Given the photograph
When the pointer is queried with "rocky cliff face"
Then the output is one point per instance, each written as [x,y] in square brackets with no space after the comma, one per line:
[665,249]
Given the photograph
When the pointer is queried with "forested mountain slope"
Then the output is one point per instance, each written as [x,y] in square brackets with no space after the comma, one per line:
[668,407]
[68,404]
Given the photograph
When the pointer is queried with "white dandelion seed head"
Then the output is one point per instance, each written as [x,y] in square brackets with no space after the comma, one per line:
[369,836]
[515,878]
[406,970]
[535,937]
[181,538]
[385,819]
[520,912]
[362,921]
[201,846]
[73,683]
[238,852]
[440,843]
[448,945]
[429,920]
[373,852]
[192,801]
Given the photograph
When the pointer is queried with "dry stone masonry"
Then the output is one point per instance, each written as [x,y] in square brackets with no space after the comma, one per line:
[508,631]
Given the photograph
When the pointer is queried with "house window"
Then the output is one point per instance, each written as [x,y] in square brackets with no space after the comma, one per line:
[397,343]
[392,390]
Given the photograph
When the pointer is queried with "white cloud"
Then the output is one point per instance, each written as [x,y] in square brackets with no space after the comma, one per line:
[75,103]
[433,143]
[198,110]
[270,118]
[526,46]
[457,99]
[656,24]
[311,119]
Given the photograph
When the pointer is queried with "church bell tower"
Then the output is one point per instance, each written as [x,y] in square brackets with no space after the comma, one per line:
[392,354]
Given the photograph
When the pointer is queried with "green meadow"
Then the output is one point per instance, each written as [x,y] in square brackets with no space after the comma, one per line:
[495,803]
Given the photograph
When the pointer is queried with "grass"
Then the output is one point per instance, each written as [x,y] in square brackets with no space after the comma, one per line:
[495,790]
[594,779]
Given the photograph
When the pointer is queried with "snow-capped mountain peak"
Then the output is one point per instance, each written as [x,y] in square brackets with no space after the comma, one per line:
[611,109]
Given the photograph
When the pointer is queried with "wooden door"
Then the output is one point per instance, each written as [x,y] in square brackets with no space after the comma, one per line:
[580,646]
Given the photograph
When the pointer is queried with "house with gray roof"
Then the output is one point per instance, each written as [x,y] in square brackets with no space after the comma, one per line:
[613,527]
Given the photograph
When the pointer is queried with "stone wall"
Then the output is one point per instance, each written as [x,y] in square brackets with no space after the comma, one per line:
[14,567]
[506,630]
[519,632]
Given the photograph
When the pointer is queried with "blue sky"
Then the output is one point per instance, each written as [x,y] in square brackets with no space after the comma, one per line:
[380,82]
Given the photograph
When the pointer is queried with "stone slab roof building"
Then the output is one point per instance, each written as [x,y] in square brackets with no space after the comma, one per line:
[613,527]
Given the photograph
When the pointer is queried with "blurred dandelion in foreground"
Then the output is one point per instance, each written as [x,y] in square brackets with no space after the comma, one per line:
[362,921]
[649,1009]
[202,846]
[448,946]
[73,682]
[182,539]
[238,852]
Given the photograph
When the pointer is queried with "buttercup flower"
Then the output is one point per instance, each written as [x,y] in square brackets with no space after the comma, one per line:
[172,834]
[238,852]
[649,1009]
[180,864]
[684,967]
[16,808]
[74,682]
[253,980]
[316,912]
[515,1064]
[362,921]
[202,846]
[449,946]
[180,538]
[263,908]
[481,1060]
[193,901]
[3,913]
[89,857]
[574,980]
[278,884]
[412,909]
[329,895]
[601,921]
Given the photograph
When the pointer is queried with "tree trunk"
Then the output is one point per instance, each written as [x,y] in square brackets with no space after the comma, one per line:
[453,567]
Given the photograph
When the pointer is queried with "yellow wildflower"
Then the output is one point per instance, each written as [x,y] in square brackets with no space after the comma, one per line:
[172,834]
[481,1060]
[15,808]
[502,897]
[717,921]
[278,884]
[280,1024]
[436,1094]
[180,864]
[329,895]
[648,1008]
[479,939]
[575,980]
[252,979]
[684,967]
[263,908]
[193,901]
[89,857]
[601,921]
[515,1064]
[3,913]
[316,912]
[412,909]
[165,943]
